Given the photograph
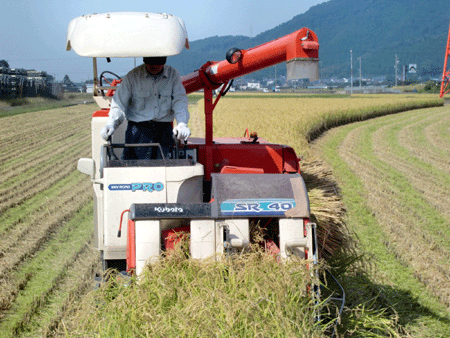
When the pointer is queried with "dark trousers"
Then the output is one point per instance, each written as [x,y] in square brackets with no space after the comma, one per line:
[148,132]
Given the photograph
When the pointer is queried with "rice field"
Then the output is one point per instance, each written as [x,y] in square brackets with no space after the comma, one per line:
[294,119]
[47,261]
[395,178]
[46,255]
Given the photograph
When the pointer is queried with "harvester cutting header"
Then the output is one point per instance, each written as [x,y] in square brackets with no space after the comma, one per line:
[213,189]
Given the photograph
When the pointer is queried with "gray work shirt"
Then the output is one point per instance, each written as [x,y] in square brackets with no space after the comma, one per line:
[145,97]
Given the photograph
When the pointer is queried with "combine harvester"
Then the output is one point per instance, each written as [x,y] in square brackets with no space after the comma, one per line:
[212,188]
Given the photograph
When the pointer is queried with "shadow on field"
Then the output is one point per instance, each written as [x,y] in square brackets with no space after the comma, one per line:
[366,299]
[369,307]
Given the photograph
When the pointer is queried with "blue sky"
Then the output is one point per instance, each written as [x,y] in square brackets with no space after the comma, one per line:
[33,32]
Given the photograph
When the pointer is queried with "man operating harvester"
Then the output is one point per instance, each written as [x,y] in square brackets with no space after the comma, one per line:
[149,97]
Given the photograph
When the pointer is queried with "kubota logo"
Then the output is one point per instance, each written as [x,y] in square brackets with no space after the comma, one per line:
[150,187]
[168,209]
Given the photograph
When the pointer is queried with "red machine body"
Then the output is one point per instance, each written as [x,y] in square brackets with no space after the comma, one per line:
[240,155]
[254,154]
[300,45]
[218,187]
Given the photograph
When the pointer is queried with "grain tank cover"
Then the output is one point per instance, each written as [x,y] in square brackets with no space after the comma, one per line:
[260,195]
[127,34]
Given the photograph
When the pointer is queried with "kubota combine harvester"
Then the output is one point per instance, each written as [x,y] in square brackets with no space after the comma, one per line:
[211,188]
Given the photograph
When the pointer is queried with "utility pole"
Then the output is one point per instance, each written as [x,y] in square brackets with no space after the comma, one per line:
[360,77]
[320,71]
[351,72]
[396,64]
[275,76]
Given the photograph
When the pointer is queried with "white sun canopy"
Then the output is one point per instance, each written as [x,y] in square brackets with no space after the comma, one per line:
[127,34]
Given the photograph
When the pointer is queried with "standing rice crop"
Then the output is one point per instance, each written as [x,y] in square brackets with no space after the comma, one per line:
[251,295]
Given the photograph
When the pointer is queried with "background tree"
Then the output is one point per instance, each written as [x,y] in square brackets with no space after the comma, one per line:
[67,81]
[4,63]
[49,77]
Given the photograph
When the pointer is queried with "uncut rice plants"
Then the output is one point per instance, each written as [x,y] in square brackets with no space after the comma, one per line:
[251,295]
[295,121]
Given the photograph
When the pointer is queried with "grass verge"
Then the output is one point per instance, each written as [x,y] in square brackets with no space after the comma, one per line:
[29,105]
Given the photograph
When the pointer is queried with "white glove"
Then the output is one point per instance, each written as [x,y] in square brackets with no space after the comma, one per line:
[181,131]
[115,117]
[107,131]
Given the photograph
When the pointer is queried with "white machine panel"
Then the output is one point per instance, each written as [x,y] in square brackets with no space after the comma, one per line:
[206,239]
[239,230]
[122,187]
[291,229]
[148,243]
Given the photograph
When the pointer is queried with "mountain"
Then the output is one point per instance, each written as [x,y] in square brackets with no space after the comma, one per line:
[375,30]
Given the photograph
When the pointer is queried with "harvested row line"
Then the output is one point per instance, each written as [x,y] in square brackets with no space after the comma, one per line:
[23,311]
[14,283]
[19,125]
[436,190]
[394,219]
[426,143]
[31,238]
[372,155]
[438,134]
[19,153]
[23,227]
[76,286]
[24,139]
[46,255]
[398,219]
[430,183]
[34,315]
[33,139]
[25,151]
[27,240]
[24,123]
[13,157]
[63,154]
[25,172]
[22,134]
[75,251]
[35,184]
[31,247]
[29,211]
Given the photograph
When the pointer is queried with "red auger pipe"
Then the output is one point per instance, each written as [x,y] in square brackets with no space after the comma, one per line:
[300,44]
